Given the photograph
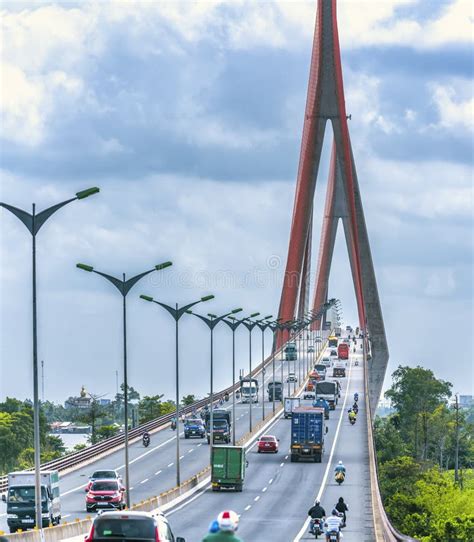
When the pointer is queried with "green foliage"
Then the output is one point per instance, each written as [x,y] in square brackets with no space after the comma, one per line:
[106,431]
[79,447]
[152,407]
[188,400]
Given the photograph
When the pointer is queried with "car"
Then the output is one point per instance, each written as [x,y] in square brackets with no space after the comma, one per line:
[309,394]
[104,474]
[326,361]
[105,494]
[348,328]
[291,377]
[120,526]
[194,427]
[320,369]
[318,340]
[310,349]
[267,443]
[333,354]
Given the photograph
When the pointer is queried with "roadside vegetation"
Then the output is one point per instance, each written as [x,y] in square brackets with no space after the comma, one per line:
[425,453]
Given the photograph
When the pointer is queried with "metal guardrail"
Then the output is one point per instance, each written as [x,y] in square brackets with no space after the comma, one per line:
[384,530]
[76,458]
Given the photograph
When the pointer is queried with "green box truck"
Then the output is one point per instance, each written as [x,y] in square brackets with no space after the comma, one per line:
[227,467]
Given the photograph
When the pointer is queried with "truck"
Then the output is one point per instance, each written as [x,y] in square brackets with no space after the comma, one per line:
[290,404]
[290,352]
[337,331]
[307,434]
[275,388]
[338,368]
[332,341]
[20,499]
[221,422]
[343,351]
[329,391]
[228,465]
[249,390]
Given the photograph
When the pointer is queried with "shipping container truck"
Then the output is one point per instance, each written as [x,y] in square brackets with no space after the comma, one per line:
[307,434]
[20,499]
[228,465]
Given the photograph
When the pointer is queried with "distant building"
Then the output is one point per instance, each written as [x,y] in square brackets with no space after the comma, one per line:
[466,401]
[104,402]
[83,401]
[384,408]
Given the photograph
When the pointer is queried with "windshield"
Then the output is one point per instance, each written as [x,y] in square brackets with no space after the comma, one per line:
[220,424]
[104,486]
[249,388]
[320,367]
[325,387]
[194,422]
[126,529]
[104,474]
[25,494]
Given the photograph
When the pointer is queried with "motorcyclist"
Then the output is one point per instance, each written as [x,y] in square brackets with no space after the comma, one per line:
[228,523]
[333,524]
[146,436]
[352,415]
[173,423]
[355,408]
[340,468]
[316,513]
[226,396]
[341,507]
[356,397]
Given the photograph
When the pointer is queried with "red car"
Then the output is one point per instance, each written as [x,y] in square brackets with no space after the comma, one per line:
[105,494]
[267,443]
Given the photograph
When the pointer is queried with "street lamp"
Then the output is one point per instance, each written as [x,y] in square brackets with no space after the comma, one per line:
[263,325]
[274,326]
[124,286]
[249,324]
[33,223]
[233,323]
[211,322]
[176,312]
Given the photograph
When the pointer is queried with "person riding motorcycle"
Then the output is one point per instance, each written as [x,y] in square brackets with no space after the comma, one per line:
[228,523]
[316,513]
[340,468]
[356,397]
[341,507]
[352,416]
[146,437]
[173,423]
[226,397]
[333,524]
[355,408]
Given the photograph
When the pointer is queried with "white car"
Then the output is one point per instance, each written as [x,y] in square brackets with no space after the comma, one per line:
[291,377]
[309,395]
[326,361]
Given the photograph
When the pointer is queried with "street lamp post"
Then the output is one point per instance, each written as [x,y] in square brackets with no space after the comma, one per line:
[249,324]
[233,323]
[274,326]
[176,312]
[211,322]
[124,286]
[33,223]
[263,325]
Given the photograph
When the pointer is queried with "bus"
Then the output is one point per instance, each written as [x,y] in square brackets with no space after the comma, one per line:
[332,341]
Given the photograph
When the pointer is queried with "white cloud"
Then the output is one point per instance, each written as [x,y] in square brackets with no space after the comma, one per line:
[455,109]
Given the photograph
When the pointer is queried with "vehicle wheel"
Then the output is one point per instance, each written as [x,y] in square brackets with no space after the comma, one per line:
[12,530]
[238,487]
[186,436]
[258,451]
[216,488]
[209,441]
[294,458]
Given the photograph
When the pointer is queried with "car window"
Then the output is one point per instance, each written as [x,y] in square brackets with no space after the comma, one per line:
[104,486]
[104,474]
[269,439]
[124,528]
[164,531]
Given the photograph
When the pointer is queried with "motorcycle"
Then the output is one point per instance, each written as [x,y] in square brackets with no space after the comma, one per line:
[173,425]
[340,477]
[146,441]
[355,408]
[356,397]
[352,420]
[316,527]
[333,536]
[356,363]
[226,397]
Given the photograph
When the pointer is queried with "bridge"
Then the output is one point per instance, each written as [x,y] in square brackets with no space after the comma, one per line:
[277,493]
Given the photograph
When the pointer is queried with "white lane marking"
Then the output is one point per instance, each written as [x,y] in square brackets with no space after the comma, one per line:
[64,516]
[191,450]
[186,502]
[286,457]
[264,489]
[257,498]
[199,445]
[281,464]
[181,456]
[270,481]
[131,488]
[143,481]
[146,453]
[170,465]
[158,472]
[248,507]
[326,473]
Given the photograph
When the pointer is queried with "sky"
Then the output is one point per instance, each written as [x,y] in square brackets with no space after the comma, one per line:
[188,116]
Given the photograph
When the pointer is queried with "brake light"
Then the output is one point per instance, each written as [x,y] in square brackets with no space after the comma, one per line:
[90,536]
[157,535]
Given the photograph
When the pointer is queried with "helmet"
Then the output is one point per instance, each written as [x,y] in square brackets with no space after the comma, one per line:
[334,512]
[228,520]
[340,462]
[316,502]
[214,527]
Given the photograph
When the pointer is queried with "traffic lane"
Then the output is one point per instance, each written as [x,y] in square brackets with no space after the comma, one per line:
[270,480]
[352,450]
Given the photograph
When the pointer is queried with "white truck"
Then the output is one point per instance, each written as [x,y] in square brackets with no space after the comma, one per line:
[339,368]
[328,391]
[20,499]
[249,390]
[290,404]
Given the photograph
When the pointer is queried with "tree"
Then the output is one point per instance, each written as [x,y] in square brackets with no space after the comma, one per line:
[106,431]
[415,394]
[388,441]
[188,400]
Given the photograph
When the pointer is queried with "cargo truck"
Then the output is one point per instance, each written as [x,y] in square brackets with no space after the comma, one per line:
[275,388]
[20,499]
[249,390]
[338,368]
[290,352]
[290,404]
[227,467]
[307,434]
[343,351]
[328,391]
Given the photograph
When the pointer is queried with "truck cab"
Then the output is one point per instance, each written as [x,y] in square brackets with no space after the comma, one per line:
[20,500]
[194,427]
[290,352]
[275,389]
[249,390]
[220,433]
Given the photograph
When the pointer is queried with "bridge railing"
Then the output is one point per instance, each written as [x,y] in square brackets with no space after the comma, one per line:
[384,530]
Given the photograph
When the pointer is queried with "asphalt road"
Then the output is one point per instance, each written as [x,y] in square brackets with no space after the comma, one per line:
[277,493]
[153,469]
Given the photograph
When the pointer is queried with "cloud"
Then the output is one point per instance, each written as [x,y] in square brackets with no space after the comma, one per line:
[455,111]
